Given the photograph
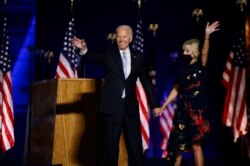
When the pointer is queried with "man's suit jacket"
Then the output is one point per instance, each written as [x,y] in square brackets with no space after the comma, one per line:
[115,81]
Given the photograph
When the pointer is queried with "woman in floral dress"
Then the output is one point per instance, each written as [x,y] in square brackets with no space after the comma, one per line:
[190,123]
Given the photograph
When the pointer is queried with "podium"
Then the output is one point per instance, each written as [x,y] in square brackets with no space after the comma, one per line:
[63,125]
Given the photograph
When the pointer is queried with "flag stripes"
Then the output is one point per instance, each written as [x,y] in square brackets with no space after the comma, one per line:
[6,112]
[234,80]
[235,110]
[63,68]
[166,121]
[144,114]
[8,117]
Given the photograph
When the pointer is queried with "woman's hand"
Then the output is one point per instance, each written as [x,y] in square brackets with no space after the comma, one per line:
[211,28]
[158,111]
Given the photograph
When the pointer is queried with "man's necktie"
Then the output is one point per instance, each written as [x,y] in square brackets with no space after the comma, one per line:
[124,63]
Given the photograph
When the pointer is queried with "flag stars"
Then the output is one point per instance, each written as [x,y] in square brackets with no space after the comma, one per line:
[239,48]
[138,41]
[68,50]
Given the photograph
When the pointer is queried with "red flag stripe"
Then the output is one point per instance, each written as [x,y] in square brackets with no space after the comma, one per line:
[144,114]
[228,70]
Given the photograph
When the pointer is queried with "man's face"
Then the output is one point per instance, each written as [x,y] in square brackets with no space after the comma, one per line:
[123,38]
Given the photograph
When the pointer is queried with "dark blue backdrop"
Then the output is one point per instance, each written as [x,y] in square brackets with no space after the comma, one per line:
[40,25]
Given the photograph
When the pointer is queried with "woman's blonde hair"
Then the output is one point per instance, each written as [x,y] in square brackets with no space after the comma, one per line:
[194,45]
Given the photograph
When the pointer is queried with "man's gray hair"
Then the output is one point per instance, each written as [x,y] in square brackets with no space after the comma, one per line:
[125,27]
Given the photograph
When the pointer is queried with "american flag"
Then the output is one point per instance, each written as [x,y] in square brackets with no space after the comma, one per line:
[234,80]
[6,110]
[166,121]
[138,44]
[67,65]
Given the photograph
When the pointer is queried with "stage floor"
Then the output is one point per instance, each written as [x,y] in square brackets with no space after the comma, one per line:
[214,155]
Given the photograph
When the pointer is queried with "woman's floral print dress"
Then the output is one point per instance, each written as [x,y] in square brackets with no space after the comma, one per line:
[190,123]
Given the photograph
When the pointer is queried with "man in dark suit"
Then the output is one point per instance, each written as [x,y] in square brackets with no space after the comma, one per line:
[118,102]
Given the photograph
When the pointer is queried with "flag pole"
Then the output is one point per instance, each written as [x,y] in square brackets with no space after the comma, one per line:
[31,50]
[152,73]
[139,7]
[71,6]
[79,65]
[153,27]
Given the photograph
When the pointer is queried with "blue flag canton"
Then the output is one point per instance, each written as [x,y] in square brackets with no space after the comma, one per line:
[5,59]
[239,49]
[138,42]
[68,49]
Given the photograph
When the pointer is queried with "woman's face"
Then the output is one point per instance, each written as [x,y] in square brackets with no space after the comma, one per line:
[187,50]
[188,55]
